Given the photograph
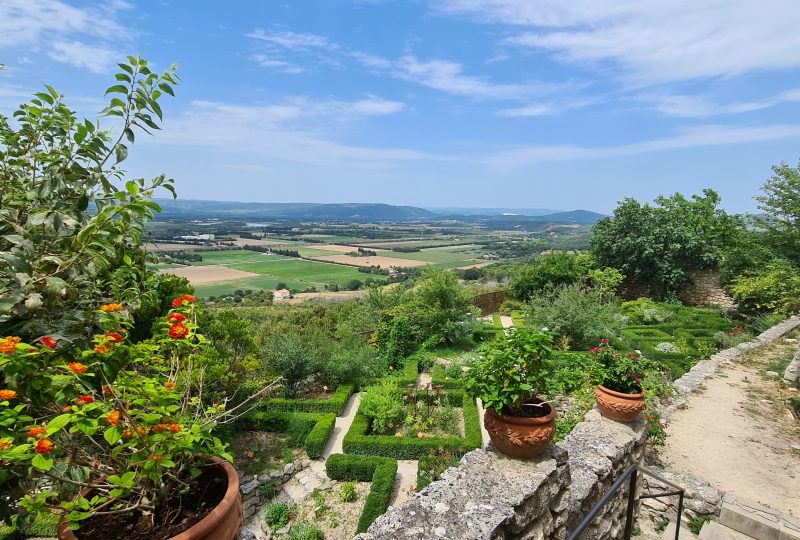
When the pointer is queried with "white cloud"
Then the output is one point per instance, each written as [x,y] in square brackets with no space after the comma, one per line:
[448,77]
[709,135]
[654,41]
[95,59]
[288,131]
[701,106]
[278,65]
[293,40]
[61,30]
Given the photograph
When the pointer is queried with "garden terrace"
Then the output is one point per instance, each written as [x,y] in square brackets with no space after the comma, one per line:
[359,440]
[313,429]
[334,404]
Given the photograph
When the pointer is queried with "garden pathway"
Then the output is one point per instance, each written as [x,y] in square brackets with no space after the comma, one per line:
[737,433]
[506,321]
[343,424]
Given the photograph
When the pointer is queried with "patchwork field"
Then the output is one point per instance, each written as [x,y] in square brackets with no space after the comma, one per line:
[252,270]
[212,273]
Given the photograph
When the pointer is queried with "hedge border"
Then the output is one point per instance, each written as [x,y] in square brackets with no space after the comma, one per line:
[317,428]
[356,441]
[334,404]
[380,471]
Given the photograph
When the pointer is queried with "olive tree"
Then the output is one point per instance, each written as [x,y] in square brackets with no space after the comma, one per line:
[70,221]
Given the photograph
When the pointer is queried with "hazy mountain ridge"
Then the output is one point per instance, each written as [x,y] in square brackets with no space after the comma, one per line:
[232,210]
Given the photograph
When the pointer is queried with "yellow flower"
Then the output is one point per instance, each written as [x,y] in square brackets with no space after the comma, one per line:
[111,307]
[5,444]
[9,344]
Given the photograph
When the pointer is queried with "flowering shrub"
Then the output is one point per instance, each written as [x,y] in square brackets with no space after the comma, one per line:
[123,421]
[617,371]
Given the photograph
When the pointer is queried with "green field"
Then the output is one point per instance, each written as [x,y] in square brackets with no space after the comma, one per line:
[452,254]
[296,273]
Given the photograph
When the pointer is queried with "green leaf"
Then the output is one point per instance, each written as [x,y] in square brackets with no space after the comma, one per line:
[118,89]
[120,152]
[41,462]
[129,134]
[57,423]
[112,435]
[167,89]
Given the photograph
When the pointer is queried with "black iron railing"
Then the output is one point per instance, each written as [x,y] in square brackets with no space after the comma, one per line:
[631,474]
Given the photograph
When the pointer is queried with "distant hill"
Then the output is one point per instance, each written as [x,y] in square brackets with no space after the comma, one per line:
[183,208]
[253,211]
[457,210]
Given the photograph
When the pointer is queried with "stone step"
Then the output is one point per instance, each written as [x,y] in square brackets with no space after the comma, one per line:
[669,532]
[757,521]
[713,530]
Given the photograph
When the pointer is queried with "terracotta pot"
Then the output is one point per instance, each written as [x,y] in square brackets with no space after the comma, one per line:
[520,437]
[618,406]
[222,523]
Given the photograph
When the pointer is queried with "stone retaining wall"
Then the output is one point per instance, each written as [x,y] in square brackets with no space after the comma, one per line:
[792,373]
[707,290]
[249,484]
[700,499]
[491,496]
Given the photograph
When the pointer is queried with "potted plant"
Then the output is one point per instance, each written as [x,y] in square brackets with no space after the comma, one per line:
[620,396]
[115,438]
[505,379]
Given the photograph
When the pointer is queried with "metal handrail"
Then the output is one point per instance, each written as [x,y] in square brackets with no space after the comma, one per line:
[632,473]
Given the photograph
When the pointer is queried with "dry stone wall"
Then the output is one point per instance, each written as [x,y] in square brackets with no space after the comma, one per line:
[707,290]
[491,496]
[249,484]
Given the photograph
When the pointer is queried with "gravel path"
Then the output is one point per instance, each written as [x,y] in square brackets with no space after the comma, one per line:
[736,434]
[343,423]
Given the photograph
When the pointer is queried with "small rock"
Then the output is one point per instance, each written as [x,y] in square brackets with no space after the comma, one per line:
[771,374]
[440,532]
[246,534]
[288,468]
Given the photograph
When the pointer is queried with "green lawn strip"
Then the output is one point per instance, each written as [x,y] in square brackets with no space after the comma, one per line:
[434,256]
[312,430]
[334,404]
[518,318]
[358,441]
[301,269]
[256,283]
[378,470]
[233,256]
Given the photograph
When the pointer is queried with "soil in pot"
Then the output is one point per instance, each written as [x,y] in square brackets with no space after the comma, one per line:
[171,518]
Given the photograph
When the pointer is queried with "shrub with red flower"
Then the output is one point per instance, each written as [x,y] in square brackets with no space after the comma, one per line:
[184,300]
[619,372]
[48,342]
[105,424]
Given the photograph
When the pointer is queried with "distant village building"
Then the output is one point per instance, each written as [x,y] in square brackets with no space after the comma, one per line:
[281,294]
[197,237]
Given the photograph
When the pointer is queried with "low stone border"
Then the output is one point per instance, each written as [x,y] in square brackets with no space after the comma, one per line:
[249,484]
[792,373]
[700,499]
[705,369]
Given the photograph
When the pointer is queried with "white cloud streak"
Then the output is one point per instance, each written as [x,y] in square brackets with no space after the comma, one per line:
[64,32]
[654,41]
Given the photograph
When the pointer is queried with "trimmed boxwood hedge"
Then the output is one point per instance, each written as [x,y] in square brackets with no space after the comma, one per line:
[310,429]
[378,470]
[334,404]
[357,440]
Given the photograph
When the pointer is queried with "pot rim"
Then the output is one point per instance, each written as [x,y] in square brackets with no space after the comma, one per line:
[621,395]
[540,420]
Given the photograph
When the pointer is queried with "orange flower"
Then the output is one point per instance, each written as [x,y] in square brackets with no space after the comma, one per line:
[5,444]
[76,367]
[169,385]
[157,457]
[141,431]
[66,408]
[187,298]
[111,307]
[44,446]
[106,390]
[7,394]
[420,434]
[84,400]
[99,349]
[178,331]
[35,431]
[9,344]
[113,418]
[48,342]
[127,433]
[175,428]
[113,336]
[175,318]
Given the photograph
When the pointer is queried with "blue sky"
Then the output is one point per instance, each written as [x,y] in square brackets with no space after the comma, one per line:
[500,103]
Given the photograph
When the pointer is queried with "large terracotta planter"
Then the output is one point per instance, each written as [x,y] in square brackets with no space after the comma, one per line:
[618,406]
[520,437]
[222,523]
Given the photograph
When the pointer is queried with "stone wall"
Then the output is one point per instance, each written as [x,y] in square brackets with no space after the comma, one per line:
[489,302]
[249,484]
[700,499]
[792,373]
[490,496]
[707,291]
